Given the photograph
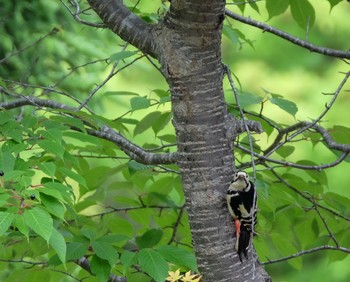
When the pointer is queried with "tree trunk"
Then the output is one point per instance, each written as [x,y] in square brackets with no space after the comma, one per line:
[188,45]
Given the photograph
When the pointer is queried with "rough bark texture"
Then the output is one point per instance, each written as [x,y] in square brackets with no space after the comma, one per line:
[188,45]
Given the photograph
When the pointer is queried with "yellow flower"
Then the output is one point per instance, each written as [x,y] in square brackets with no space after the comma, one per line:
[174,276]
[191,278]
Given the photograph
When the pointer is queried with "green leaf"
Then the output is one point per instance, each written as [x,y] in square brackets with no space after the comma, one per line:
[58,243]
[120,93]
[319,176]
[149,239]
[53,205]
[169,138]
[303,13]
[138,103]
[21,225]
[231,34]
[73,175]
[52,147]
[71,122]
[341,134]
[246,99]
[285,151]
[64,194]
[161,93]
[48,167]
[286,105]
[179,257]
[105,251]
[338,202]
[161,122]
[40,221]
[153,264]
[127,259]
[146,122]
[134,166]
[122,55]
[254,6]
[5,221]
[285,247]
[76,250]
[276,7]
[100,268]
[334,3]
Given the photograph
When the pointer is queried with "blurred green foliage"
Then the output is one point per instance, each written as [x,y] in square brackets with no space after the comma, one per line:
[91,199]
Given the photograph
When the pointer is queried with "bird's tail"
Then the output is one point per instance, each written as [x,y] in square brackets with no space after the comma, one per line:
[242,243]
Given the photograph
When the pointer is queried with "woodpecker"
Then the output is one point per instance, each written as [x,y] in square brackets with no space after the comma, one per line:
[241,202]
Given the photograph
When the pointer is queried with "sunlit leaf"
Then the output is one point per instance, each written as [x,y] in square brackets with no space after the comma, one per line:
[53,206]
[5,221]
[58,243]
[286,105]
[122,55]
[285,151]
[179,256]
[246,99]
[52,147]
[49,168]
[276,7]
[40,221]
[138,103]
[303,13]
[153,264]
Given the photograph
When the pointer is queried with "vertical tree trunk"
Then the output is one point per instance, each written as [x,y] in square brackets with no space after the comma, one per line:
[190,48]
[188,45]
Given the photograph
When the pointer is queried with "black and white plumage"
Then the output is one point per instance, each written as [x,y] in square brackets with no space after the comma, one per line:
[241,201]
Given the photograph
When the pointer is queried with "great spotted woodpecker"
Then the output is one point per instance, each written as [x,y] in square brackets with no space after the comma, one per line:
[241,201]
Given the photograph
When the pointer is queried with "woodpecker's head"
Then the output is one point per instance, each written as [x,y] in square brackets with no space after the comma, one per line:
[240,181]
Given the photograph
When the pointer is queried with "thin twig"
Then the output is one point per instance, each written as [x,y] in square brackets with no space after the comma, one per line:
[313,48]
[316,249]
[14,53]
[112,73]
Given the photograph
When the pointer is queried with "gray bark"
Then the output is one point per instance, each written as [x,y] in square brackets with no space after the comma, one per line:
[188,45]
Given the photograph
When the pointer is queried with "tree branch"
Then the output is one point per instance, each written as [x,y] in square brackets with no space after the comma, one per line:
[125,24]
[313,48]
[325,247]
[132,150]
[77,12]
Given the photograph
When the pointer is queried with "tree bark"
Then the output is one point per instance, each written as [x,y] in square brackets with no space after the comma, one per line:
[188,45]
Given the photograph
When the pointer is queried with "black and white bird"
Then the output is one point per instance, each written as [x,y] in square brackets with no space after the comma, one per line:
[241,201]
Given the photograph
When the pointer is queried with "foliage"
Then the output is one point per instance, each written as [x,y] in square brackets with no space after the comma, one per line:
[68,194]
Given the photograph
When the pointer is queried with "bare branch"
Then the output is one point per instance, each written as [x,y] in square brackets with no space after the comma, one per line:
[132,150]
[313,48]
[316,249]
[325,223]
[263,159]
[112,73]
